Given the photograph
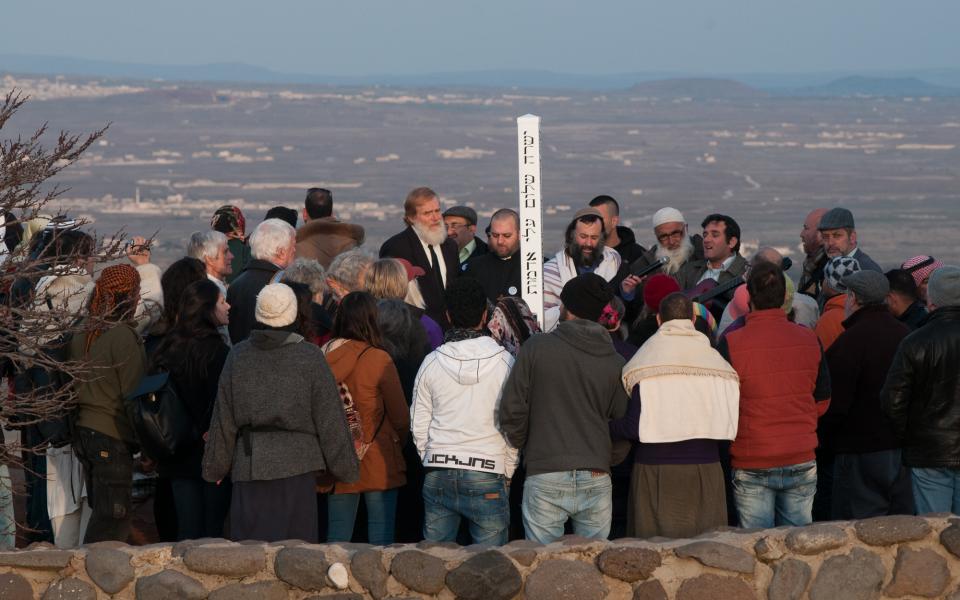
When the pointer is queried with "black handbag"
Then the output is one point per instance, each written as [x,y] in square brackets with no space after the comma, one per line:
[160,418]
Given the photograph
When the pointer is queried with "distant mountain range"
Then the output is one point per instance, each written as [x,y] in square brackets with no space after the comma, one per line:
[931,82]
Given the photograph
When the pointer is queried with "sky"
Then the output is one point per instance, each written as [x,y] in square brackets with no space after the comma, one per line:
[370,37]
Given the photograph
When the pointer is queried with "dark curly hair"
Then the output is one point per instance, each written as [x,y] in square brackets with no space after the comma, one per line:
[466,302]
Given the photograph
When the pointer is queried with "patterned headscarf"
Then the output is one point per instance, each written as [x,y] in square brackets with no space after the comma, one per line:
[512,323]
[228,219]
[115,284]
[919,273]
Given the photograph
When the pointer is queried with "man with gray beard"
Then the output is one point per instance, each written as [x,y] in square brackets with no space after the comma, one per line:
[424,243]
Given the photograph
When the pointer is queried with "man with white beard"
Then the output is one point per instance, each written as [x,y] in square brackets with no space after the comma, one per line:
[673,242]
[424,243]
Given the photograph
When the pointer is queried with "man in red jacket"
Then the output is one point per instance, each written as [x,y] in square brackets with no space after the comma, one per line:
[784,389]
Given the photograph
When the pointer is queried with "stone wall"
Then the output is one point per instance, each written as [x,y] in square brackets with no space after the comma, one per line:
[890,557]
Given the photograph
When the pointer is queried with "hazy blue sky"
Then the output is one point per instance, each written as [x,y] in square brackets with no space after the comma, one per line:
[419,36]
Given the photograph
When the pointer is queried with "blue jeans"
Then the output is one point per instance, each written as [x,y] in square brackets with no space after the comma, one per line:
[774,497]
[936,490]
[381,516]
[583,496]
[480,498]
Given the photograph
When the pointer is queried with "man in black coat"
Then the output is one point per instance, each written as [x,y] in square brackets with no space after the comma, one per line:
[619,238]
[425,244]
[498,271]
[869,477]
[922,398]
[273,247]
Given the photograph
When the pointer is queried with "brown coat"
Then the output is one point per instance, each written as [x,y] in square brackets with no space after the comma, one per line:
[323,239]
[375,387]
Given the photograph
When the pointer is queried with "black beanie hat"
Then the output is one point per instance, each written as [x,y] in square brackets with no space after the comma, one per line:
[586,296]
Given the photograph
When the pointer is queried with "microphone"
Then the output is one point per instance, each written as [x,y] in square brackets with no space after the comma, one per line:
[660,262]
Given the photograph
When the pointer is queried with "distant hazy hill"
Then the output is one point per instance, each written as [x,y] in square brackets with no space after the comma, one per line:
[697,88]
[877,86]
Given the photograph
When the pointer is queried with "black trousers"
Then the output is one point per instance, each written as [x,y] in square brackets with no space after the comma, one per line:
[108,467]
[201,507]
[871,484]
[275,510]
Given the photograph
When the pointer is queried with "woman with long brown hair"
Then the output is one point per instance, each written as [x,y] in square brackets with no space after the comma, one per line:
[380,421]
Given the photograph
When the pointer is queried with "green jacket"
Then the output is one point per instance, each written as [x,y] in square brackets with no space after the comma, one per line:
[241,256]
[117,361]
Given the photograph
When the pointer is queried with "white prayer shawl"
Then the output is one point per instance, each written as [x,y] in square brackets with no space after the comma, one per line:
[561,269]
[687,390]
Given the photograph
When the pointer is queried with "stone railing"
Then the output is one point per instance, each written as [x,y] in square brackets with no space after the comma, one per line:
[883,557]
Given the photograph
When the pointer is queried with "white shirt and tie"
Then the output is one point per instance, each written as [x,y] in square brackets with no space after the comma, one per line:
[438,265]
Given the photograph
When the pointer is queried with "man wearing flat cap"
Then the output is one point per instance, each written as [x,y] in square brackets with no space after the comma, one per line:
[922,398]
[839,235]
[563,390]
[869,479]
[461,222]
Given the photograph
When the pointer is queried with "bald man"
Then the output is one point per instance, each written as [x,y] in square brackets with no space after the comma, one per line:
[816,256]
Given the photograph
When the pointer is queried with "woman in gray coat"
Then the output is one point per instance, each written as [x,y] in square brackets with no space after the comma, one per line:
[277,421]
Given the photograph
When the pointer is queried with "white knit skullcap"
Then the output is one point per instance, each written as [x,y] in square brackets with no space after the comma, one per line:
[667,215]
[276,305]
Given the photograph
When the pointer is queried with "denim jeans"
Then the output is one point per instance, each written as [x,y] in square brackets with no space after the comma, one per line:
[777,496]
[583,496]
[381,516]
[480,498]
[936,490]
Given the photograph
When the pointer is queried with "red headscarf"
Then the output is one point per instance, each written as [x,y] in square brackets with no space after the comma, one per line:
[115,284]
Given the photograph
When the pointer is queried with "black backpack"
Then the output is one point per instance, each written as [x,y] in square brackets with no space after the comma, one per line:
[38,384]
[160,418]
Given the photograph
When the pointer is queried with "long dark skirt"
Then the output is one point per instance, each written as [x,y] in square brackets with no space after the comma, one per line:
[275,510]
[676,501]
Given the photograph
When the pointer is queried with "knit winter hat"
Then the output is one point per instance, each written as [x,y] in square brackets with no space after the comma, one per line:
[943,289]
[276,305]
[656,289]
[918,272]
[869,287]
[586,296]
[836,269]
[667,215]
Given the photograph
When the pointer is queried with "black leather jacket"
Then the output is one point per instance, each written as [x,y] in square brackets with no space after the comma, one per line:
[922,393]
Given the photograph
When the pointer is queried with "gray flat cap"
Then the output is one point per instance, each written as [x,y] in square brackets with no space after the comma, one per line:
[869,287]
[836,218]
[464,212]
[943,289]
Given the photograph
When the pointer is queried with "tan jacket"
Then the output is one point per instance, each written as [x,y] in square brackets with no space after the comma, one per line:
[375,387]
[323,239]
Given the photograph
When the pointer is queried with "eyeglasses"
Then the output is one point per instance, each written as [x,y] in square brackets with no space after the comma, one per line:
[673,235]
[457,226]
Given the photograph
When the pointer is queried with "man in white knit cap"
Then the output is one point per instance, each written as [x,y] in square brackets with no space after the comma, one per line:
[673,242]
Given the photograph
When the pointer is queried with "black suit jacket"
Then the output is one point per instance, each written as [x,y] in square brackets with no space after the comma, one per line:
[406,244]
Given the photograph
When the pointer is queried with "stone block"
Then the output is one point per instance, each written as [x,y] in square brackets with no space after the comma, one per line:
[485,575]
[918,573]
[854,576]
[261,590]
[650,590]
[524,557]
[627,563]
[895,529]
[712,587]
[815,539]
[169,584]
[950,538]
[110,569]
[721,556]
[66,589]
[15,587]
[367,568]
[303,567]
[45,560]
[790,580]
[565,580]
[180,548]
[231,561]
[768,549]
[419,571]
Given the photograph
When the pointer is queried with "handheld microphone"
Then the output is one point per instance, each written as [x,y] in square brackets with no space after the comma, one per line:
[660,262]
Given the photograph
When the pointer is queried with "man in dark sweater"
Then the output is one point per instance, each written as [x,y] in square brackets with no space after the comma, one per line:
[869,479]
[563,390]
[498,270]
[903,300]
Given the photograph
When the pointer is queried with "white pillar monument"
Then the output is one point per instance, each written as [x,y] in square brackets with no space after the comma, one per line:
[531,213]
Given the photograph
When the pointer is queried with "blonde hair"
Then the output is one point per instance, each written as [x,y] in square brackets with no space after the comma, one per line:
[386,278]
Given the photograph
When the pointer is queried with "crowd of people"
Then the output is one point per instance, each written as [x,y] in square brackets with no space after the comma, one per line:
[336,395]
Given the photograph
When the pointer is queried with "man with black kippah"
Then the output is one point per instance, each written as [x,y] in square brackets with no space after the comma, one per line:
[562,392]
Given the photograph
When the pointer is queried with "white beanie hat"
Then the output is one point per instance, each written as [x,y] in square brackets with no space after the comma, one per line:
[667,215]
[276,305]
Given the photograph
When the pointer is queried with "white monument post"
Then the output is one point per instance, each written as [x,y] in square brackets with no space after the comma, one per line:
[531,213]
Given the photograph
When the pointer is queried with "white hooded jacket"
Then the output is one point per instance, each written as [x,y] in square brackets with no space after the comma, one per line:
[456,402]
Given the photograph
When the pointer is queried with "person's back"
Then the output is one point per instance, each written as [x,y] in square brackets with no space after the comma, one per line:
[784,388]
[921,396]
[564,388]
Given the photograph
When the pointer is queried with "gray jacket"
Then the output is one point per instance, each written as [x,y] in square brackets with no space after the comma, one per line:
[561,393]
[278,414]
